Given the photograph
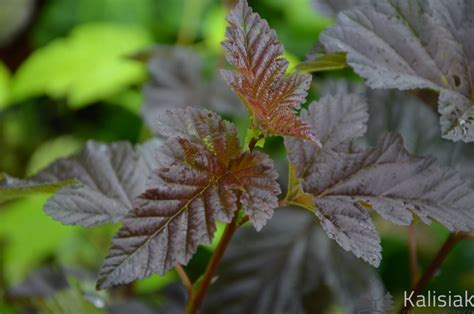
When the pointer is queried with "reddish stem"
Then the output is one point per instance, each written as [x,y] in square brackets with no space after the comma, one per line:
[244,220]
[443,252]
[196,299]
[254,142]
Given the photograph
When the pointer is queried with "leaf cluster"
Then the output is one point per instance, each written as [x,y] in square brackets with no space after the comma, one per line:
[411,44]
[344,165]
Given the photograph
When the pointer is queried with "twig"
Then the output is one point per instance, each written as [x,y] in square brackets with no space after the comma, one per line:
[197,297]
[443,252]
[414,271]
[184,278]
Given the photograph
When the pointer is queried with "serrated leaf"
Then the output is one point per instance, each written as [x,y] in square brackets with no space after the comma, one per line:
[337,119]
[205,177]
[256,178]
[324,62]
[203,127]
[87,66]
[274,271]
[260,80]
[347,182]
[176,80]
[348,222]
[412,119]
[408,44]
[93,187]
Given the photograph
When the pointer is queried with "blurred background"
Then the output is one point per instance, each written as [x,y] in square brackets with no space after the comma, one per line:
[73,70]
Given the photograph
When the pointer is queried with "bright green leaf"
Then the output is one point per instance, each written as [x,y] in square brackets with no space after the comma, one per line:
[29,234]
[87,66]
[214,28]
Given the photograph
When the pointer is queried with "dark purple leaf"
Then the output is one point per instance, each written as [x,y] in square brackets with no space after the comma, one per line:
[205,178]
[95,186]
[409,44]
[177,80]
[289,267]
[346,182]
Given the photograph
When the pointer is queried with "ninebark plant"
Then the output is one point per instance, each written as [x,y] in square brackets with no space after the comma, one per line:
[168,195]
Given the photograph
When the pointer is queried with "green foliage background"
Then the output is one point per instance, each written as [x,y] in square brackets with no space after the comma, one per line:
[66,76]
